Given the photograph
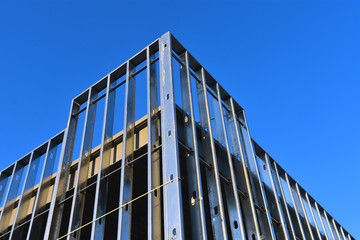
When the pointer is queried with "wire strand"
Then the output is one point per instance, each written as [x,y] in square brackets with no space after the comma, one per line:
[127,203]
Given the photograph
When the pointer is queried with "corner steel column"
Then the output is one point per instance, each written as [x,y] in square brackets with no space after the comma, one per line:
[264,217]
[26,193]
[242,178]
[173,213]
[14,185]
[101,192]
[197,214]
[126,182]
[279,211]
[212,175]
[153,155]
[232,197]
[43,188]
[55,211]
[82,173]
[282,200]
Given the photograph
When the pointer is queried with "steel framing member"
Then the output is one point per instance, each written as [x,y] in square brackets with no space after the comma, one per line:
[226,186]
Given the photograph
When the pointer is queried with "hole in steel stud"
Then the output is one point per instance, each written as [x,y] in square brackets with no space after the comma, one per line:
[174,231]
[165,45]
[167,96]
[126,207]
[193,198]
[169,133]
[253,237]
[186,119]
[155,193]
[264,167]
[171,177]
[216,210]
[236,225]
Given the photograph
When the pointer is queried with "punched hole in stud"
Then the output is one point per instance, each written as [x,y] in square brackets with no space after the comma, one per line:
[169,133]
[253,237]
[193,198]
[165,45]
[126,207]
[264,167]
[174,231]
[155,193]
[167,96]
[216,210]
[236,225]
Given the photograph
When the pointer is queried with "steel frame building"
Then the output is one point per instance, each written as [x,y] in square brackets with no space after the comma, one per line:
[181,166]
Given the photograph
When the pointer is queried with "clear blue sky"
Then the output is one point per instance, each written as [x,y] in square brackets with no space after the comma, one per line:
[293,66]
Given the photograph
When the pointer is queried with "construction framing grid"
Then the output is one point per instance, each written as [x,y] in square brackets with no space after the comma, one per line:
[187,153]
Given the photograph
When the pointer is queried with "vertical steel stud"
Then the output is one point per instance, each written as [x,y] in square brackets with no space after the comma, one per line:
[247,202]
[55,211]
[321,220]
[78,200]
[255,179]
[336,229]
[44,187]
[279,213]
[197,214]
[307,223]
[282,200]
[14,185]
[126,182]
[101,192]
[313,216]
[213,177]
[233,202]
[296,207]
[154,158]
[26,193]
